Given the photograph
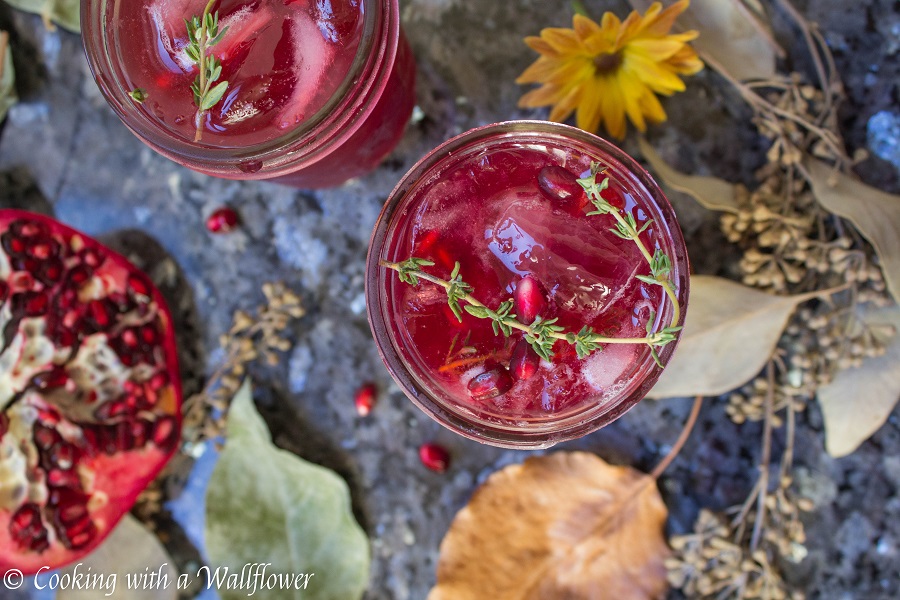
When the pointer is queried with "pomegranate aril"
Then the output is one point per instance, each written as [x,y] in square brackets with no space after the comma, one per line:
[149,335]
[30,304]
[561,187]
[158,381]
[90,257]
[69,514]
[139,287]
[45,438]
[43,249]
[63,456]
[490,384]
[4,291]
[52,379]
[222,220]
[79,274]
[27,228]
[51,271]
[524,362]
[365,399]
[435,457]
[529,299]
[100,314]
[12,245]
[59,478]
[165,433]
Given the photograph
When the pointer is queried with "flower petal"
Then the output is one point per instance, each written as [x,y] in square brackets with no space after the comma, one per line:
[585,27]
[541,46]
[561,39]
[656,49]
[657,77]
[543,96]
[566,105]
[590,113]
[613,106]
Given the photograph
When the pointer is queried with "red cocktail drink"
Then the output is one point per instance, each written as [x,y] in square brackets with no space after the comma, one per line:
[562,319]
[317,91]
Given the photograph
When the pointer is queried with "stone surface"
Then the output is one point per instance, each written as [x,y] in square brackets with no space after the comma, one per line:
[63,150]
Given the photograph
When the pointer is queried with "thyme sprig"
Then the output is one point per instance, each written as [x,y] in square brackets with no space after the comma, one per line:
[203,34]
[542,334]
[627,229]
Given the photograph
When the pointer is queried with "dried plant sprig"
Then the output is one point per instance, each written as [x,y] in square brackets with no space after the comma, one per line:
[252,336]
[203,34]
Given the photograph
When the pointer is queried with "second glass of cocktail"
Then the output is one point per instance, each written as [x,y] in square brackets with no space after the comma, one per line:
[307,92]
[526,283]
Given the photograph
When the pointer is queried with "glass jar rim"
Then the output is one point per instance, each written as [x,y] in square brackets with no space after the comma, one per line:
[340,117]
[428,169]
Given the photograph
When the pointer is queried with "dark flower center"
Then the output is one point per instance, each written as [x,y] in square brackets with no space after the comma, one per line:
[607,62]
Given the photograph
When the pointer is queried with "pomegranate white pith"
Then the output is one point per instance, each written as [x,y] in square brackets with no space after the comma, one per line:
[89,390]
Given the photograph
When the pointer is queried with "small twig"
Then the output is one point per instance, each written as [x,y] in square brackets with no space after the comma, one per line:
[764,460]
[4,45]
[753,19]
[679,443]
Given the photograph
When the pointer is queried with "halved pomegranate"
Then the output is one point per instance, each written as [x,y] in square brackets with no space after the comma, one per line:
[89,390]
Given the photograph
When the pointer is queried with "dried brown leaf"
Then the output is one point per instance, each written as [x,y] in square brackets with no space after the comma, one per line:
[567,525]
[710,192]
[730,332]
[733,33]
[859,400]
[875,214]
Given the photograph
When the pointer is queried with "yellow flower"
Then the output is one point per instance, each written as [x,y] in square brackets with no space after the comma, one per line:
[612,69]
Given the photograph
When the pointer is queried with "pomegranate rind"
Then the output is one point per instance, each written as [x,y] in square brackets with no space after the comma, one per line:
[117,480]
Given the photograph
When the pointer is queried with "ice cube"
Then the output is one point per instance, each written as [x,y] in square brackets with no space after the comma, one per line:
[605,369]
[586,271]
[312,57]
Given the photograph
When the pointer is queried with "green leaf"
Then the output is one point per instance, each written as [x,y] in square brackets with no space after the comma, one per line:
[65,13]
[129,549]
[8,95]
[213,96]
[479,312]
[266,505]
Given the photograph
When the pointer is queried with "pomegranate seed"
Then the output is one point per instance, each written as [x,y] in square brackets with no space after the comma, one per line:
[139,287]
[490,384]
[100,313]
[31,304]
[27,228]
[4,291]
[435,457]
[13,245]
[52,379]
[21,282]
[158,381]
[44,249]
[222,220]
[561,187]
[68,479]
[92,258]
[529,299]
[164,432]
[129,338]
[365,399]
[45,438]
[524,362]
[72,513]
[79,274]
[51,271]
[149,335]
[63,456]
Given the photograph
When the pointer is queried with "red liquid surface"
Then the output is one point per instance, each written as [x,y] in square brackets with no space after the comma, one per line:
[490,214]
[283,60]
